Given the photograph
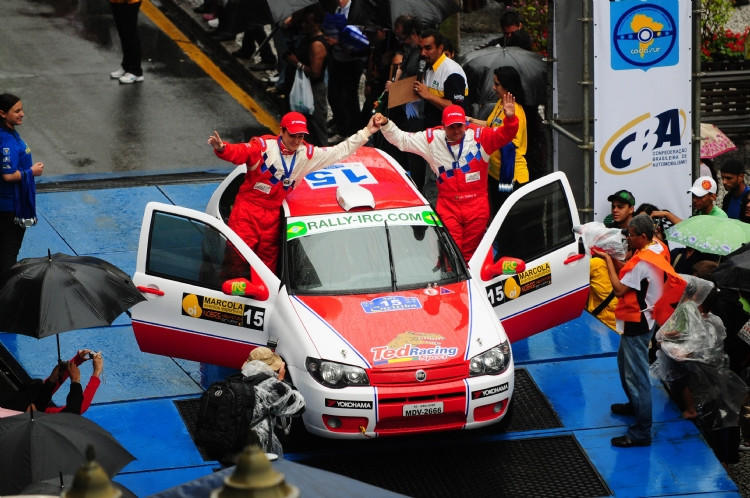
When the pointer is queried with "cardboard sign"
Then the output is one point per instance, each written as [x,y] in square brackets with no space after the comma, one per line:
[401,92]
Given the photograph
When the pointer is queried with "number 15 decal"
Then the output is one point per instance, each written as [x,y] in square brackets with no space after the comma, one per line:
[339,174]
[254,317]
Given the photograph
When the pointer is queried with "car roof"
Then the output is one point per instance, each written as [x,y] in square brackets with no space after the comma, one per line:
[386,180]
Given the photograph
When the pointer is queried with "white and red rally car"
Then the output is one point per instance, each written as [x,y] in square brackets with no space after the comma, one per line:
[384,328]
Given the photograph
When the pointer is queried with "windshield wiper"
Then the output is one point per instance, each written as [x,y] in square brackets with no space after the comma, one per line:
[390,255]
[453,254]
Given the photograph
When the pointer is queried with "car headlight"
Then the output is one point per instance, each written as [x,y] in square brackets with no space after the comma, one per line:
[492,362]
[336,375]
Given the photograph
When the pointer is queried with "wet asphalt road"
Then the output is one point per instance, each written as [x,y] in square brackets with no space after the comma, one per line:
[56,55]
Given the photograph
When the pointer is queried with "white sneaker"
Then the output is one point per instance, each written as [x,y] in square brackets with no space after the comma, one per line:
[129,78]
[116,75]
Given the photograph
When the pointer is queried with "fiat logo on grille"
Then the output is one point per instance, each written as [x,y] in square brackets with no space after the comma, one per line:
[421,376]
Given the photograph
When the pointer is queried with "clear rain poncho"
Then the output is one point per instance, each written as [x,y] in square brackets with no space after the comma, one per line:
[597,235]
[692,344]
[275,400]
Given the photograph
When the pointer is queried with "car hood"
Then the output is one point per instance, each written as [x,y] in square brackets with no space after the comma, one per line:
[424,326]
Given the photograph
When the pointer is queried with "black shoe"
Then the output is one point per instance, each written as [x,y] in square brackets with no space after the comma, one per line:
[622,409]
[222,36]
[626,442]
[202,9]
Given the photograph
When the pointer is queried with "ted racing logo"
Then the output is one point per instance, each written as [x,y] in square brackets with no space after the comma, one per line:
[644,36]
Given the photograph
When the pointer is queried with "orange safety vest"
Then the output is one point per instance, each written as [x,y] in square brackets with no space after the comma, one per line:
[628,308]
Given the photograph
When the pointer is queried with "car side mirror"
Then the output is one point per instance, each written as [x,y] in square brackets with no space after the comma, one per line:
[254,288]
[503,266]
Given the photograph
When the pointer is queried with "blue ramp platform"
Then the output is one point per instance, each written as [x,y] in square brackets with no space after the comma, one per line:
[573,365]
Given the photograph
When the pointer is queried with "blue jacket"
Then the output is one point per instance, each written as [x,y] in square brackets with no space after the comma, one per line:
[15,156]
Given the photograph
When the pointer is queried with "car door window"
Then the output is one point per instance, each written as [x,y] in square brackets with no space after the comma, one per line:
[537,224]
[192,252]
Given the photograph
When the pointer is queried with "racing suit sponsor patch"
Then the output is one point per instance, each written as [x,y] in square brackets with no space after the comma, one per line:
[473,176]
[263,187]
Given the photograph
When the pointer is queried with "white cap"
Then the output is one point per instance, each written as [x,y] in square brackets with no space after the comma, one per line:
[703,185]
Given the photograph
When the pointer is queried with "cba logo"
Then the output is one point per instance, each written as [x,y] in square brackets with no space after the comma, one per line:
[643,36]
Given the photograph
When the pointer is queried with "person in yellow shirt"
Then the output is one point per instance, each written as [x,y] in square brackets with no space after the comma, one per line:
[508,166]
[602,300]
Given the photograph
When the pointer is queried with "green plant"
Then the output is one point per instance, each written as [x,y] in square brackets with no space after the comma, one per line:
[714,39]
[724,45]
[535,15]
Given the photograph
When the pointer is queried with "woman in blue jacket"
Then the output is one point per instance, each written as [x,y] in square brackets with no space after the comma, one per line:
[17,187]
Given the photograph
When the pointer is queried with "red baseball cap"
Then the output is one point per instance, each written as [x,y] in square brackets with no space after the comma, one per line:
[453,114]
[294,123]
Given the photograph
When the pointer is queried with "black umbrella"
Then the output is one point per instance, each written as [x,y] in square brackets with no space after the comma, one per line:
[480,64]
[281,9]
[734,271]
[48,295]
[382,13]
[37,446]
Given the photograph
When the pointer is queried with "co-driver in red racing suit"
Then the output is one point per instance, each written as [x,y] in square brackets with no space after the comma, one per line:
[274,165]
[459,156]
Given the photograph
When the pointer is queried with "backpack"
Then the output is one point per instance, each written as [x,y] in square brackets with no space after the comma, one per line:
[224,414]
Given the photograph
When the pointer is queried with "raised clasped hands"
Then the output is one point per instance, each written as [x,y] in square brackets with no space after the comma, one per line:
[374,124]
[379,119]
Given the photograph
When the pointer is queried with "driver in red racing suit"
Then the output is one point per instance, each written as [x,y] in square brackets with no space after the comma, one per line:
[459,155]
[274,165]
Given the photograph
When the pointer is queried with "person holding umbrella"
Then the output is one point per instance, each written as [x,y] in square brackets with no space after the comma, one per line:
[508,166]
[37,394]
[17,184]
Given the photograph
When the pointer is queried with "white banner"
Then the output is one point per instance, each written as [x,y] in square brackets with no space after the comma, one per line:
[642,103]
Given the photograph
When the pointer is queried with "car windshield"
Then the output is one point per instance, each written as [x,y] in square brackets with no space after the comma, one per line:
[371,259]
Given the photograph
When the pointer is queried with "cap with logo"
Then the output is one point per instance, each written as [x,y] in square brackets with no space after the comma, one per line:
[703,185]
[622,195]
[294,123]
[453,114]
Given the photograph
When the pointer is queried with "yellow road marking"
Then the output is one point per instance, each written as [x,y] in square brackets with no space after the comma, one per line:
[195,54]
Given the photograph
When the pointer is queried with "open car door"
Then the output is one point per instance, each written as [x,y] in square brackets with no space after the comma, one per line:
[529,261]
[208,296]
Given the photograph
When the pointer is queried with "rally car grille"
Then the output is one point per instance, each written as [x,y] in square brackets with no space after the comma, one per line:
[445,396]
[408,376]
[433,422]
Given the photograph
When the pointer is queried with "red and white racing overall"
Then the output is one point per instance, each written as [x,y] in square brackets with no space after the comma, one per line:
[272,172]
[461,171]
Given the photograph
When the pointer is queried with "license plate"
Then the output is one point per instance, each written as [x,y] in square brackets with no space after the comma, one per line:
[423,409]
